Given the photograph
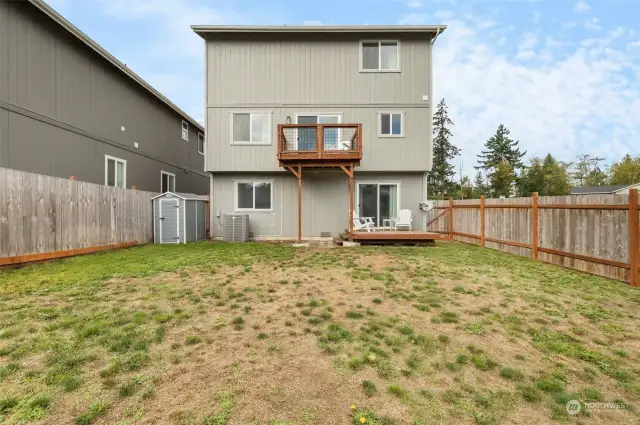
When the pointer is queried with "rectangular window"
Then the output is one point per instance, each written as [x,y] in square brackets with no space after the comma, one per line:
[391,124]
[380,55]
[168,182]
[201,143]
[251,128]
[115,172]
[185,131]
[253,196]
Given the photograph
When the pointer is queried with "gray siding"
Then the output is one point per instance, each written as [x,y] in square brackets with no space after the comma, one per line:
[286,76]
[46,72]
[325,204]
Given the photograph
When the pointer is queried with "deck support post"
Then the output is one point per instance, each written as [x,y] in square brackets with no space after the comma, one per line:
[534,226]
[298,173]
[634,239]
[299,203]
[349,173]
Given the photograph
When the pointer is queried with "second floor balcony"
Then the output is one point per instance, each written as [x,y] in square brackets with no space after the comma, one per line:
[320,144]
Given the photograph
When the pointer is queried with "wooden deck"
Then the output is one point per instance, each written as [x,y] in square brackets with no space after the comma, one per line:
[400,237]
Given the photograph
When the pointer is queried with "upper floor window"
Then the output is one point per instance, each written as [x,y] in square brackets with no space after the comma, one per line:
[185,131]
[251,128]
[380,55]
[115,172]
[390,124]
[201,143]
[167,182]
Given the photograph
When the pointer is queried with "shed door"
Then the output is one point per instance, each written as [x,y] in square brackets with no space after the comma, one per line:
[169,221]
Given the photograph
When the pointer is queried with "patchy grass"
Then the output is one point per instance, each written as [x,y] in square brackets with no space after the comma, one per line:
[225,334]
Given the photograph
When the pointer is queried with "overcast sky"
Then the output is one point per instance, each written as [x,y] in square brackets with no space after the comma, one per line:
[564,76]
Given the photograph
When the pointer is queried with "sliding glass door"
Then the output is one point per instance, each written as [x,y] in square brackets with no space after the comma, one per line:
[378,200]
[307,136]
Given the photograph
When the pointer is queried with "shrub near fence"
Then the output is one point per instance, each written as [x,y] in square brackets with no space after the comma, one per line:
[46,217]
[597,234]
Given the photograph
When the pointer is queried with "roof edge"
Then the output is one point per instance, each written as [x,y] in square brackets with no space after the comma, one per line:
[62,21]
[310,29]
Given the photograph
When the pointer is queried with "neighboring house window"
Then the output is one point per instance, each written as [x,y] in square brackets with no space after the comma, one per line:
[168,182]
[251,128]
[380,55]
[201,143]
[253,196]
[390,124]
[115,171]
[185,131]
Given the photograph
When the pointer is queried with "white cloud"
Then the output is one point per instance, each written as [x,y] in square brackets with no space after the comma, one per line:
[569,100]
[592,23]
[415,4]
[581,7]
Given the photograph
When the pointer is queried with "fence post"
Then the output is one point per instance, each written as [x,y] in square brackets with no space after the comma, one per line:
[534,225]
[634,243]
[450,218]
[482,241]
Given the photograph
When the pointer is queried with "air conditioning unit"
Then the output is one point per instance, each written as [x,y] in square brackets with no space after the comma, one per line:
[236,227]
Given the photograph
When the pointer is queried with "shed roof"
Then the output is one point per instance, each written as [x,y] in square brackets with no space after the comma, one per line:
[185,196]
[71,29]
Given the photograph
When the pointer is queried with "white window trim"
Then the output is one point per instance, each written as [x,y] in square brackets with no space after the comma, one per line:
[162,173]
[249,143]
[182,129]
[392,136]
[379,56]
[235,196]
[106,170]
[203,143]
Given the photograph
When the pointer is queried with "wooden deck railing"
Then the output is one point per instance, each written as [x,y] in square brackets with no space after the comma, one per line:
[323,142]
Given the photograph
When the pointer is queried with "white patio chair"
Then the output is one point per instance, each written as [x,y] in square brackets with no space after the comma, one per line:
[404,219]
[363,223]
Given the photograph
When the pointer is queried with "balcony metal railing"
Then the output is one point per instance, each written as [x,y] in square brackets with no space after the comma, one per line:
[303,142]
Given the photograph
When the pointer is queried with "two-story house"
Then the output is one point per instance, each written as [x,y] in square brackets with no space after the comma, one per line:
[332,115]
[70,108]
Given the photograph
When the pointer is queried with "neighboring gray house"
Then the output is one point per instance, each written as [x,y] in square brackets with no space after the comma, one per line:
[290,106]
[620,189]
[69,108]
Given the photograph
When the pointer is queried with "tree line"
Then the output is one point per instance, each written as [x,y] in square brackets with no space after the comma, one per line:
[502,171]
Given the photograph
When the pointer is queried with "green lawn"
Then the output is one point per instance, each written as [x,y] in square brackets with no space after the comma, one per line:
[254,334]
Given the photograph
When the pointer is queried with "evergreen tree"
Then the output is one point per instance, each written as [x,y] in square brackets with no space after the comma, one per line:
[501,180]
[501,148]
[499,160]
[479,186]
[548,177]
[627,171]
[441,175]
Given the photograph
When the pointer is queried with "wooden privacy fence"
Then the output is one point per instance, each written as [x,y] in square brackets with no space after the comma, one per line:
[596,234]
[44,217]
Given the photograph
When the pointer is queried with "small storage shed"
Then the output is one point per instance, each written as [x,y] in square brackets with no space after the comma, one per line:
[179,217]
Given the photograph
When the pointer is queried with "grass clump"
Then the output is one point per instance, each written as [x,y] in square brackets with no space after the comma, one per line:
[354,314]
[369,388]
[483,362]
[94,412]
[511,374]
